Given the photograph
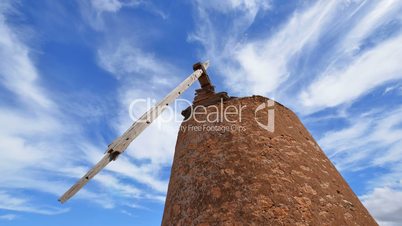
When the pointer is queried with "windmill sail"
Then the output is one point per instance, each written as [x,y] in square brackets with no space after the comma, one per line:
[119,145]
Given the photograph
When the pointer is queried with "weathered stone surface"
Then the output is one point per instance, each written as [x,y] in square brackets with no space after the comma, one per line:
[251,176]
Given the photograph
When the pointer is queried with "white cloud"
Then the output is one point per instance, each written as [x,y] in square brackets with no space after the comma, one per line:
[391,88]
[8,217]
[36,140]
[373,68]
[263,64]
[124,167]
[354,69]
[385,205]
[141,76]
[369,140]
[96,13]
[260,66]
[219,40]
[10,202]
[227,6]
[106,5]
[145,174]
[371,146]
[23,149]
[125,59]
[112,5]
[17,71]
[335,141]
[378,13]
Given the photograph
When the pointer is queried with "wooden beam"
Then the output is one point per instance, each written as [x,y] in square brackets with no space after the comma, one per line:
[88,176]
[119,145]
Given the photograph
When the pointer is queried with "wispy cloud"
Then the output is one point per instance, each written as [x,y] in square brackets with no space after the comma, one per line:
[10,202]
[17,71]
[97,12]
[36,136]
[220,41]
[125,59]
[262,64]
[22,153]
[369,16]
[369,140]
[384,203]
[353,68]
[94,11]
[132,66]
[361,76]
[277,62]
[112,5]
[8,217]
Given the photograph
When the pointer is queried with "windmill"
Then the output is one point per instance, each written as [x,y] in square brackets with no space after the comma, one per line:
[253,176]
[119,145]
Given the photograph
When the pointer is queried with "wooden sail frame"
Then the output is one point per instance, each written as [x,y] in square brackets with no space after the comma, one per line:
[119,145]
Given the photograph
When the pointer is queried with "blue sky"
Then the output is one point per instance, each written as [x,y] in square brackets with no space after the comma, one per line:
[69,70]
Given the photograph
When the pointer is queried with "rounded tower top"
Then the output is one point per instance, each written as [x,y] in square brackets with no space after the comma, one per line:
[257,166]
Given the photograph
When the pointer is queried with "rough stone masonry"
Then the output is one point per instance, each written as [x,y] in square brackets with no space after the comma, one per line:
[250,176]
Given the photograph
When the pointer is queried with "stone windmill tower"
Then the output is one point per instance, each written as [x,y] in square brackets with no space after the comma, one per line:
[244,161]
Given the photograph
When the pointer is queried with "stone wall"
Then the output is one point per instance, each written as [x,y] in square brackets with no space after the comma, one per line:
[250,176]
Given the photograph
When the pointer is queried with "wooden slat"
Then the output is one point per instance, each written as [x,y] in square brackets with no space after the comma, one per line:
[119,145]
[88,176]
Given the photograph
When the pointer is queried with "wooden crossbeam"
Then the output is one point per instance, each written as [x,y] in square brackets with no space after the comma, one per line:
[119,145]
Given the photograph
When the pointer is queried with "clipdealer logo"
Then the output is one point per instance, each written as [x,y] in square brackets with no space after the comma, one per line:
[270,124]
[208,118]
